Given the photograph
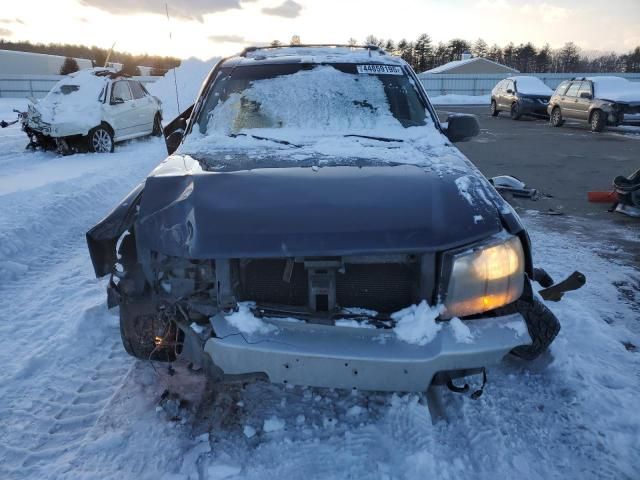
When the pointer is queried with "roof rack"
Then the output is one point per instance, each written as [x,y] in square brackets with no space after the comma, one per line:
[252,49]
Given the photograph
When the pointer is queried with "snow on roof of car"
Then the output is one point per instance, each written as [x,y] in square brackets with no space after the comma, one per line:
[320,54]
[531,85]
[617,89]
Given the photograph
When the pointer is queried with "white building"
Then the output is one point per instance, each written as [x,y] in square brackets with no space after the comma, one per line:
[469,64]
[27,63]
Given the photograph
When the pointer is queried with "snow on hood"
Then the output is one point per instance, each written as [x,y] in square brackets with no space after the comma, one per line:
[74,100]
[531,86]
[617,89]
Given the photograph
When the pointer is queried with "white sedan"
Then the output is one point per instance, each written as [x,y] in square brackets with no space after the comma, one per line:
[91,110]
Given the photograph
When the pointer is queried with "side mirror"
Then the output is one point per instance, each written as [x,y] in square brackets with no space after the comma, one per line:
[461,127]
[116,101]
[509,91]
[174,131]
[586,95]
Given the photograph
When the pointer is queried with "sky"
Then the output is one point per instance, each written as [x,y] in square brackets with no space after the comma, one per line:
[209,28]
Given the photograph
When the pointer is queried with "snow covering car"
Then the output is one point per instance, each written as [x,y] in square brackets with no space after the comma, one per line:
[599,101]
[91,110]
[520,95]
[316,226]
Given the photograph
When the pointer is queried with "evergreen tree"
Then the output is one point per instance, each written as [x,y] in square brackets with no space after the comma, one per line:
[440,55]
[632,61]
[457,47]
[526,57]
[130,68]
[390,47]
[480,48]
[276,43]
[423,53]
[69,66]
[495,54]
[543,59]
[569,58]
[509,55]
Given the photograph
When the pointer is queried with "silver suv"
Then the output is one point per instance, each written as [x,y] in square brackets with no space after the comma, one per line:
[600,101]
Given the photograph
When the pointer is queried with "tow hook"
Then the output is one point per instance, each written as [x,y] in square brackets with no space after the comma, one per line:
[465,388]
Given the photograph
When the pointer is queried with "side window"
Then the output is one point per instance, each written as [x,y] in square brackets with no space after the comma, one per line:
[573,89]
[585,87]
[136,89]
[510,86]
[562,88]
[121,90]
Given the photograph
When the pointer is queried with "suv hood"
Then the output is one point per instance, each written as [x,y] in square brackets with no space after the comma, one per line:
[338,210]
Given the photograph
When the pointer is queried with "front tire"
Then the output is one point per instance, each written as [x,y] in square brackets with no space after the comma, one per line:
[516,114]
[146,333]
[100,140]
[598,121]
[556,117]
[494,109]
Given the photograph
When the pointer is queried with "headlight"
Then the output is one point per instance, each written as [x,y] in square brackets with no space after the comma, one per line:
[485,278]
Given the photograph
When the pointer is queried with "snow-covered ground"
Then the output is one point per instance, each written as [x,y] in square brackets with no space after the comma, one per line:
[75,406]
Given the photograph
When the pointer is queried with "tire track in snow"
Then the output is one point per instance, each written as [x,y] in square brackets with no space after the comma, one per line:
[60,346]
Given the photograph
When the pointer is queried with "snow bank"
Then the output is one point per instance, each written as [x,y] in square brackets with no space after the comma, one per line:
[617,89]
[453,99]
[189,76]
[417,324]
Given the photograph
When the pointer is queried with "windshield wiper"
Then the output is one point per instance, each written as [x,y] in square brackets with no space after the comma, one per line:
[381,139]
[276,140]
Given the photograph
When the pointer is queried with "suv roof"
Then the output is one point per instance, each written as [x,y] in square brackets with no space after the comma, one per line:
[321,53]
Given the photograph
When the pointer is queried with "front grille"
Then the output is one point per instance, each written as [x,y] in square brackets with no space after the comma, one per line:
[384,287]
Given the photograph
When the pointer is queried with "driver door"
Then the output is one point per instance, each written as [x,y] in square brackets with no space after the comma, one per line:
[122,109]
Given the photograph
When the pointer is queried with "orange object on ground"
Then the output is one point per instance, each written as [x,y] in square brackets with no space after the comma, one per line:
[602,197]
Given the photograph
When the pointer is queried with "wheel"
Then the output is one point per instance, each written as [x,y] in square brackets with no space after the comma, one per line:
[157,126]
[494,109]
[515,111]
[100,140]
[598,121]
[146,334]
[542,324]
[556,117]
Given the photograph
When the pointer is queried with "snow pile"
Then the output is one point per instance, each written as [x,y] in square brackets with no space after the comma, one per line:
[461,332]
[531,86]
[416,324]
[189,76]
[246,322]
[455,99]
[617,89]
[273,424]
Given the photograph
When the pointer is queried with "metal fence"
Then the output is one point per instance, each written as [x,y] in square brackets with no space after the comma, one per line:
[26,86]
[482,84]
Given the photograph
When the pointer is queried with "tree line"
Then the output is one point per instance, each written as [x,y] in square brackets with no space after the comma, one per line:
[422,54]
[159,64]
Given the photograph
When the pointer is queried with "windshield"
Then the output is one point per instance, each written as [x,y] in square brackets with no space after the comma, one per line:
[336,98]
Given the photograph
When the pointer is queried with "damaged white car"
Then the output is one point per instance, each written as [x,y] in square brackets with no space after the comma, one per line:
[91,110]
[316,226]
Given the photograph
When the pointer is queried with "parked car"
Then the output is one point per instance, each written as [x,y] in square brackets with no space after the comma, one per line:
[599,101]
[317,226]
[91,110]
[520,95]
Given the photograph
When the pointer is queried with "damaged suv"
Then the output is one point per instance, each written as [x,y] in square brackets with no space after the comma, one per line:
[316,226]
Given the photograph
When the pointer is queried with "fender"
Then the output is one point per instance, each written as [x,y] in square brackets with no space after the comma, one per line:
[102,239]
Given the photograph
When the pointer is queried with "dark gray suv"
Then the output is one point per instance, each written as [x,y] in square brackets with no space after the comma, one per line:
[520,95]
[600,101]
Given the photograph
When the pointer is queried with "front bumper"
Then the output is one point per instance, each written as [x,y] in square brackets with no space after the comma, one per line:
[534,108]
[367,359]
